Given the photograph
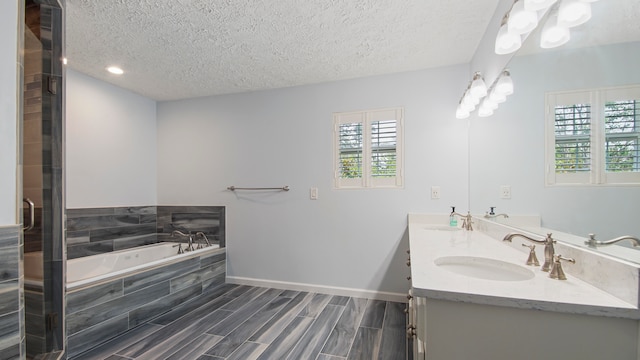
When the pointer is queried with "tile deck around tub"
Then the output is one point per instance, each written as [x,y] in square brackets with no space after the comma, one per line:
[242,322]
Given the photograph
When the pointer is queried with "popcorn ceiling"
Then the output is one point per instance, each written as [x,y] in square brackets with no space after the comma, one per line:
[175,49]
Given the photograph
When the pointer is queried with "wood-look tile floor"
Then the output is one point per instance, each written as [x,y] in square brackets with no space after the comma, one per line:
[241,323]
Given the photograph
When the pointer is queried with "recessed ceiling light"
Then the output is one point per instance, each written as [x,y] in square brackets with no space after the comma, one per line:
[115,70]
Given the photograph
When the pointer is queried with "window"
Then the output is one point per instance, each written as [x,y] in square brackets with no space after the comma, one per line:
[368,148]
[593,136]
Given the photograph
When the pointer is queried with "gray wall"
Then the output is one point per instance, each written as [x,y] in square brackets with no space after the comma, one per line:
[110,145]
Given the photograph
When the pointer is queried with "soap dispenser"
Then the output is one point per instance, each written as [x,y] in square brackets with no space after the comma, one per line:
[452,218]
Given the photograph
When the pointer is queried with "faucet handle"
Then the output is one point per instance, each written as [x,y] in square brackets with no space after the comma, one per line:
[556,269]
[532,260]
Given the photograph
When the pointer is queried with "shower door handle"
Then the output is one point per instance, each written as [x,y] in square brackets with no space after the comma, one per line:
[32,214]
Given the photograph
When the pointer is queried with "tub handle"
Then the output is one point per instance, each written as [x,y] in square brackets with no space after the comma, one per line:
[32,214]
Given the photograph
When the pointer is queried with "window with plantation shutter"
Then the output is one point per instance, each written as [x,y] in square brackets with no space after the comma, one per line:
[593,136]
[368,148]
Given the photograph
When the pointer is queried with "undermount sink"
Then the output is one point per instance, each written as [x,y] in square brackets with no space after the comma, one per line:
[484,268]
[442,228]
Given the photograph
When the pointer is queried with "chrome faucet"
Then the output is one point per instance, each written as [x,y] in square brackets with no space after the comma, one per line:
[592,242]
[492,215]
[204,237]
[548,242]
[466,219]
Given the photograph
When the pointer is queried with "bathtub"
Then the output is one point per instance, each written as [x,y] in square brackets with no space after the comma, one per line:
[112,293]
[87,270]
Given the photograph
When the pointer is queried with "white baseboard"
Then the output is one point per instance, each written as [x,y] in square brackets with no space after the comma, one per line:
[330,290]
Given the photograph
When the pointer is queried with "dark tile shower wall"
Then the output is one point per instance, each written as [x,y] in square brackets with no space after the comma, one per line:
[12,342]
[93,231]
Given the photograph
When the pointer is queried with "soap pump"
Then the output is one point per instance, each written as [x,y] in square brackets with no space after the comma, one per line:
[452,218]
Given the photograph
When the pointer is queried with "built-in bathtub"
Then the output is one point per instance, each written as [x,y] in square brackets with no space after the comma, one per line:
[111,293]
[93,269]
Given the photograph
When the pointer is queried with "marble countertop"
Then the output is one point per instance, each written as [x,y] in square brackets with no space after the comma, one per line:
[541,292]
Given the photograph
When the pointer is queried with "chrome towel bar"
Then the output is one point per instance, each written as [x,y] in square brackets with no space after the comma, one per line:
[284,188]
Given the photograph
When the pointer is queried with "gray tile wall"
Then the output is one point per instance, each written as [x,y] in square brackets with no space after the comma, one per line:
[93,231]
[208,219]
[12,330]
[101,312]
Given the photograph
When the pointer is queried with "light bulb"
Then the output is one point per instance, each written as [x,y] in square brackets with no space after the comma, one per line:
[478,88]
[462,113]
[497,97]
[554,35]
[520,20]
[507,42]
[505,84]
[488,103]
[484,111]
[573,13]
[115,70]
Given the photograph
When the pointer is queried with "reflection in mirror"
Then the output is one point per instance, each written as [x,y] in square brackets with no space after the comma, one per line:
[509,147]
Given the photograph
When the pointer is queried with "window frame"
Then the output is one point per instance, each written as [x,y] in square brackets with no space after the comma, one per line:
[597,174]
[367,118]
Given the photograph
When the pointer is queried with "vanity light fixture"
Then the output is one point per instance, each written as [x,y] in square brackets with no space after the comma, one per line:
[554,34]
[521,21]
[115,70]
[491,97]
[573,12]
[523,17]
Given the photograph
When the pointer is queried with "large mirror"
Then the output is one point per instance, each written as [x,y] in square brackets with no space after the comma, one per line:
[508,148]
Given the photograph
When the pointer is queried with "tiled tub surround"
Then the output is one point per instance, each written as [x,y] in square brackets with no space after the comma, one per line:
[208,219]
[98,312]
[12,328]
[93,231]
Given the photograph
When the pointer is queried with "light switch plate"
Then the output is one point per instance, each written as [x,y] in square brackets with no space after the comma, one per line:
[313,193]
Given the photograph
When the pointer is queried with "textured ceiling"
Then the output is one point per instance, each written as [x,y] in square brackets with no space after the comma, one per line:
[174,49]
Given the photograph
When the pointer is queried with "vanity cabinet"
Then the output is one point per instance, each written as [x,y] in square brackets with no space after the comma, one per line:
[464,315]
[448,330]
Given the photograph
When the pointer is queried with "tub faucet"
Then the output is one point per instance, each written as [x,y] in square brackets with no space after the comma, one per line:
[180,233]
[548,242]
[592,242]
[204,237]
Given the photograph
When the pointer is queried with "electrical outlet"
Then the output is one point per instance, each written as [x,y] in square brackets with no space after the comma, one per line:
[435,192]
[505,192]
[313,193]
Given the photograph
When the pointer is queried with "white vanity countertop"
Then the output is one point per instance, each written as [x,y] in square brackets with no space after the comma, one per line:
[541,292]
